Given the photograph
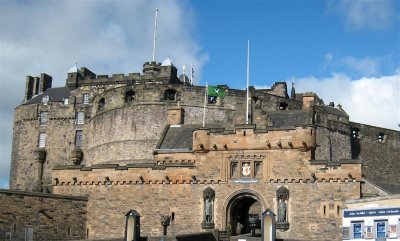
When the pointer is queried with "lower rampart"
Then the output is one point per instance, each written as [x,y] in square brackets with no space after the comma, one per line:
[42,216]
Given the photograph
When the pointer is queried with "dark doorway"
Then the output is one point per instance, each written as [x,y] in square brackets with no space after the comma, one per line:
[240,210]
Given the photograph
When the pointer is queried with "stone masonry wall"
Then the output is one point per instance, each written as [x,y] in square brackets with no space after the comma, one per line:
[380,159]
[313,207]
[51,217]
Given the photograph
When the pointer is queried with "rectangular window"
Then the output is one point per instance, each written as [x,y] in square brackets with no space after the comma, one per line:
[66,101]
[346,233]
[42,140]
[78,138]
[28,234]
[85,98]
[43,118]
[80,118]
[357,230]
[380,227]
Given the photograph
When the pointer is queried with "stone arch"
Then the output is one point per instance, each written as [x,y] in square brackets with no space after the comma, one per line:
[234,198]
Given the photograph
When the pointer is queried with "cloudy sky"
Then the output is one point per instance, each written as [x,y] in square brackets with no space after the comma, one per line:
[347,51]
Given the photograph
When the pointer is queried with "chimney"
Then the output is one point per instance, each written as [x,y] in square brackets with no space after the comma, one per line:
[175,115]
[308,100]
[29,88]
[45,82]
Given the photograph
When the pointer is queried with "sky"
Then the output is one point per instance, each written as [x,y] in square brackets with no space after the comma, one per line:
[346,51]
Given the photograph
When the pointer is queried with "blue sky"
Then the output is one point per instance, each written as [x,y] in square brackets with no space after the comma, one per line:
[347,51]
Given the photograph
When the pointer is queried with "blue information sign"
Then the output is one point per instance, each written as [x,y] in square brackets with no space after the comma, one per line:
[371,212]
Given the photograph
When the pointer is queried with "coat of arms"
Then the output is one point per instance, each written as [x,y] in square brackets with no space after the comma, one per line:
[246,169]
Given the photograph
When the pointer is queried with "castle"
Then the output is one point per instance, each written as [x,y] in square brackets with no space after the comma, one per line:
[103,145]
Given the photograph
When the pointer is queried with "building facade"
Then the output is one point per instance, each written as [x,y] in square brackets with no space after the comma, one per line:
[137,142]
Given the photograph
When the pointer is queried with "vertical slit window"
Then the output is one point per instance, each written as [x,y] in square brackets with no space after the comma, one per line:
[80,118]
[43,118]
[42,140]
[85,98]
[78,138]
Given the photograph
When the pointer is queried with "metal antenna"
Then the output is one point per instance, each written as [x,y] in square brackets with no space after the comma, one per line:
[154,38]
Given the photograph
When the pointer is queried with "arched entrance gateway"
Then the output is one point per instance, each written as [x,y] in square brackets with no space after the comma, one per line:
[237,209]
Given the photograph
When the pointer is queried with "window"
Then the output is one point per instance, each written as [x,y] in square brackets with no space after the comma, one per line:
[42,140]
[80,118]
[234,169]
[28,234]
[170,94]
[346,233]
[45,100]
[212,99]
[66,101]
[257,169]
[43,118]
[357,230]
[283,106]
[78,138]
[381,137]
[129,96]
[85,98]
[380,227]
[101,105]
[355,133]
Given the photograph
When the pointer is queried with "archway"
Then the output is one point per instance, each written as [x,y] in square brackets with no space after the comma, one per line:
[238,207]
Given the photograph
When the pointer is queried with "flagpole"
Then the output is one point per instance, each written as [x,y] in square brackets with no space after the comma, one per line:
[154,35]
[247,83]
[191,73]
[204,108]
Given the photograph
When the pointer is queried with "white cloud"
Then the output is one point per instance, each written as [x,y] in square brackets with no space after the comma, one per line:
[364,14]
[367,100]
[105,36]
[364,66]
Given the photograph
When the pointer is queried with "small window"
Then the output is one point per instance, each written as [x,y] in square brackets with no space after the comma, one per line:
[78,138]
[66,101]
[129,96]
[28,234]
[355,133]
[212,99]
[283,106]
[381,137]
[346,233]
[42,140]
[43,118]
[85,98]
[101,105]
[380,227]
[80,118]
[45,100]
[170,94]
[357,230]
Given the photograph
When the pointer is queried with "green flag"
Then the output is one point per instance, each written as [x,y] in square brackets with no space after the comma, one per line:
[215,91]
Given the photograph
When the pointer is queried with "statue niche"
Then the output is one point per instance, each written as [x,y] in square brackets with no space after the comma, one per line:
[208,198]
[282,196]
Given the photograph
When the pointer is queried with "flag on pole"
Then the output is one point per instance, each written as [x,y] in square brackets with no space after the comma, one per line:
[215,91]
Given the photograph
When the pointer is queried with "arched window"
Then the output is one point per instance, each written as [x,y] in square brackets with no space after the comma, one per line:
[283,106]
[170,94]
[102,103]
[129,96]
[381,137]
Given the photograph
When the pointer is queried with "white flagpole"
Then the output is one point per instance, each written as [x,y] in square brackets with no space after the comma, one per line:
[247,84]
[204,108]
[154,35]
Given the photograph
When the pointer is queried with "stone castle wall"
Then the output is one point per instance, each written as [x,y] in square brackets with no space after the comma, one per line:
[49,217]
[380,158]
[315,208]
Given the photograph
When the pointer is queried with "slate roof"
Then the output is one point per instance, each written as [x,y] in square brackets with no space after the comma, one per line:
[55,94]
[289,117]
[181,136]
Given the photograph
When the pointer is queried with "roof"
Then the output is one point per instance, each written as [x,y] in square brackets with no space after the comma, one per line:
[55,94]
[289,117]
[181,136]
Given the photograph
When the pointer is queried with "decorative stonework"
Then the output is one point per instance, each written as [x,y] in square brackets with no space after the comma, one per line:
[282,196]
[208,219]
